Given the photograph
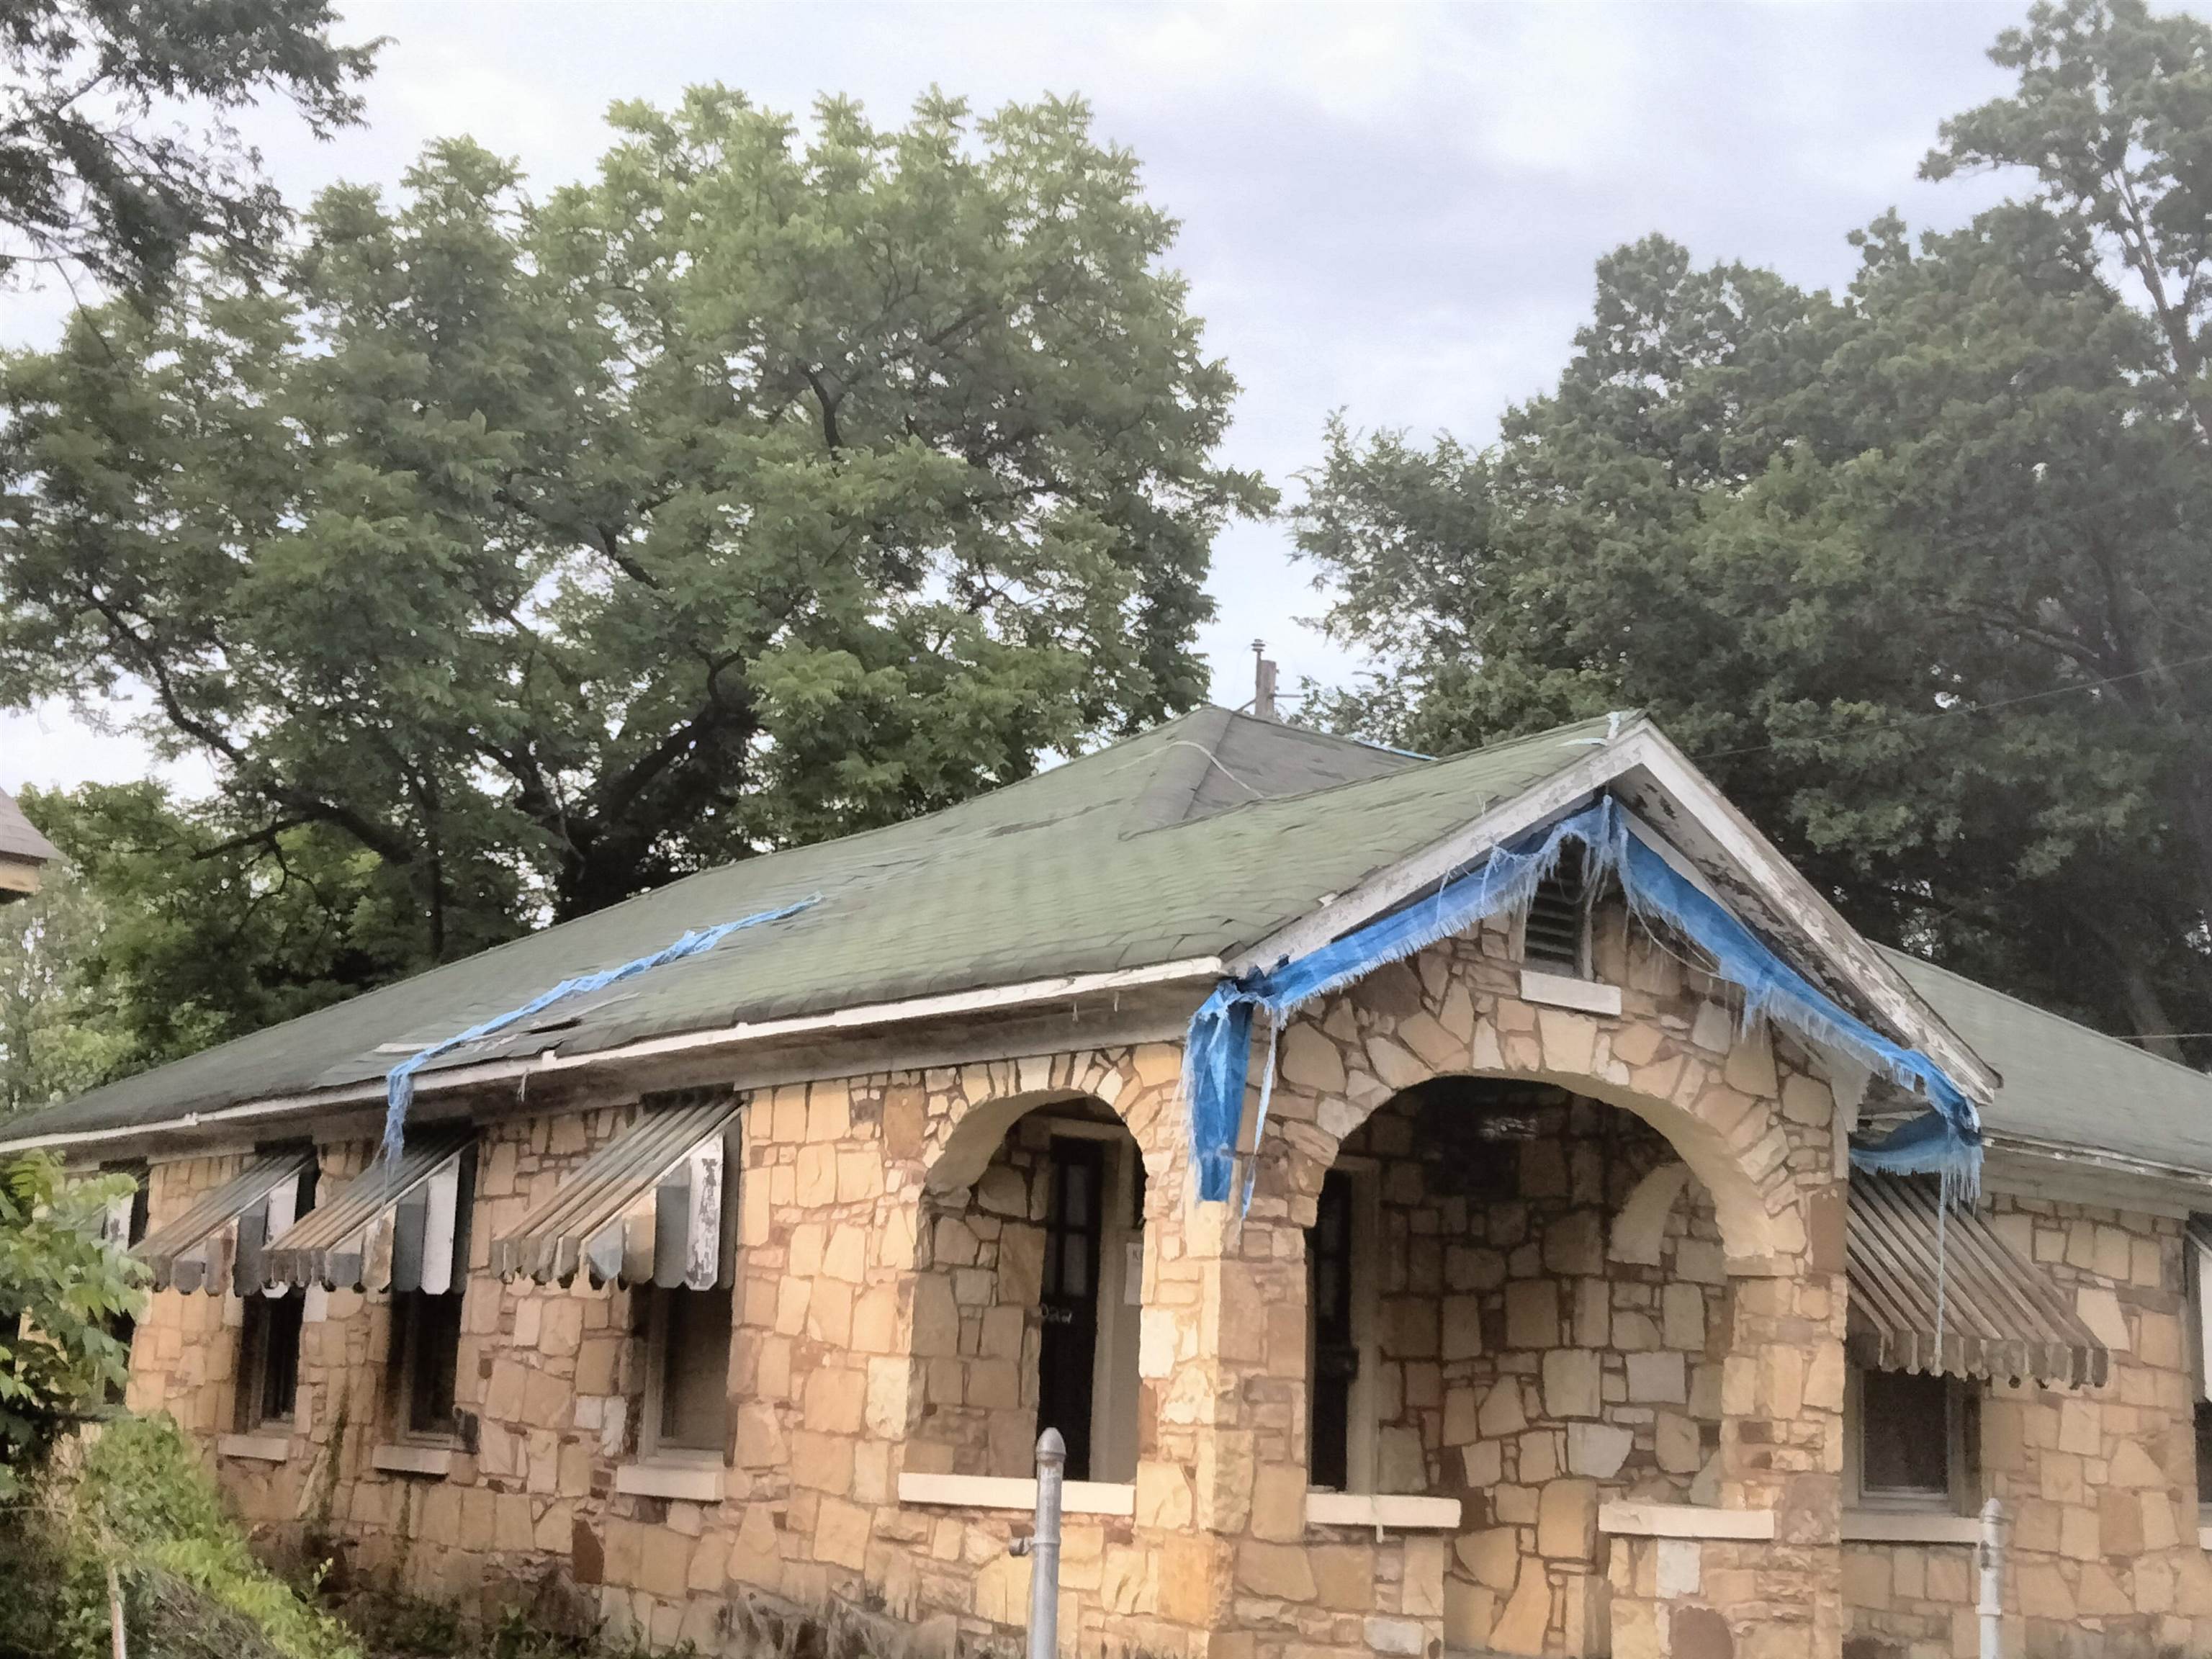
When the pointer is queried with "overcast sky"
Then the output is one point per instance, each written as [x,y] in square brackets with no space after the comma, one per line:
[1393,212]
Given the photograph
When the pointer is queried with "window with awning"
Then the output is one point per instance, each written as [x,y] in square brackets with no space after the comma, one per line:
[399,1225]
[219,1243]
[2002,1316]
[651,1207]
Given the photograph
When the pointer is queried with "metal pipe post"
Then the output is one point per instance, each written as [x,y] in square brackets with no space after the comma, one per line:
[1991,1604]
[1044,1547]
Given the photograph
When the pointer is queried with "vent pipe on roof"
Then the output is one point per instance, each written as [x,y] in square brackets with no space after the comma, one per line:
[1263,683]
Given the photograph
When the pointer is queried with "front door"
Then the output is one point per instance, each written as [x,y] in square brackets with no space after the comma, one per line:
[1335,1348]
[1067,1360]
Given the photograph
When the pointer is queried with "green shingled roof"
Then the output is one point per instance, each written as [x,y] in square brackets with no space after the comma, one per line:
[1200,836]
[1196,839]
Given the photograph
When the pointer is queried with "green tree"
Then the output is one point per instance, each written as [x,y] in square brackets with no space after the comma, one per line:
[765,487]
[96,175]
[171,930]
[62,1284]
[1816,534]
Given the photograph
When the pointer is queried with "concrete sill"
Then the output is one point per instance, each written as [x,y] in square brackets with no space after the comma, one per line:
[261,1448]
[695,1483]
[993,1492]
[1683,1521]
[1408,1511]
[435,1461]
[2204,1537]
[1909,1527]
[1565,991]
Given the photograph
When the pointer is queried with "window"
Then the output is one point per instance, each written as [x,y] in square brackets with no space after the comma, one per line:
[1068,1356]
[126,1227]
[425,1336]
[269,1359]
[1910,1442]
[2204,1454]
[1335,1348]
[687,1370]
[1555,937]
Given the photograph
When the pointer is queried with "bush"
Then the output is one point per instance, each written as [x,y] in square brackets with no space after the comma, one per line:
[140,1503]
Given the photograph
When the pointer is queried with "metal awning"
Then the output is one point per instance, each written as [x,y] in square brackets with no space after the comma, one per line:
[216,1244]
[396,1227]
[2002,1316]
[650,1207]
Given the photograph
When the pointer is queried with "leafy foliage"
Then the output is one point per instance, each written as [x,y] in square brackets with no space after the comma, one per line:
[62,1284]
[141,1503]
[1815,535]
[762,488]
[91,177]
[169,932]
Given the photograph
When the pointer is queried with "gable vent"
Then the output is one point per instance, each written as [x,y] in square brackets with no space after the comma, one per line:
[1558,917]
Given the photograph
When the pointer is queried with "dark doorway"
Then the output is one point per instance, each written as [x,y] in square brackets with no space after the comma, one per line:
[1336,1353]
[1068,1354]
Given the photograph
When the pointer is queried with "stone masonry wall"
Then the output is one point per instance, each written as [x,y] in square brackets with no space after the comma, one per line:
[1521,1370]
[2099,1483]
[839,1345]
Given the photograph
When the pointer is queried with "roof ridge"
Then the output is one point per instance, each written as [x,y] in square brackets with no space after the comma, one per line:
[2106,1037]
[1424,764]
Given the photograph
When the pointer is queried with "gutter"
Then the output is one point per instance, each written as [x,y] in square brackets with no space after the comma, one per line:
[550,1061]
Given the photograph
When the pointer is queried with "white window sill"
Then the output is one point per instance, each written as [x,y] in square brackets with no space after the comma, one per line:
[2204,1537]
[1909,1526]
[992,1491]
[694,1483]
[1408,1512]
[1565,991]
[260,1448]
[1624,1519]
[433,1460]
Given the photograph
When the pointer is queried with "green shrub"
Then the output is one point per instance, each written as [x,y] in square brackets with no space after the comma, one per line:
[140,1503]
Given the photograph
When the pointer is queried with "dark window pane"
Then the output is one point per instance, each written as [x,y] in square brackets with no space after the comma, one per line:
[280,1368]
[1905,1434]
[1336,1356]
[1069,1342]
[433,1325]
[2204,1451]
[695,1370]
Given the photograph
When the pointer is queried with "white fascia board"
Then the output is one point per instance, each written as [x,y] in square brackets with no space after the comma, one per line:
[551,1061]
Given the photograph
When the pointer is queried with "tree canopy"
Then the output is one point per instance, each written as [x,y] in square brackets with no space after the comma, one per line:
[1916,570]
[509,556]
[97,174]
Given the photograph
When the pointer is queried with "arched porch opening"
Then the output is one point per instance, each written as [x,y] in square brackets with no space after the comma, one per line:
[1476,1334]
[1029,1284]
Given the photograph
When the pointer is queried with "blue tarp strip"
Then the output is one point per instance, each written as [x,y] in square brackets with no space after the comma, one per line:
[1945,1142]
[399,1081]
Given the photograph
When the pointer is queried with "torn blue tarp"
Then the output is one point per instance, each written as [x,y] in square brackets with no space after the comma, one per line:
[1946,1142]
[399,1081]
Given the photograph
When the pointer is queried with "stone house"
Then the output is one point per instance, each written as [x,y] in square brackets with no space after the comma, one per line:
[1541,1283]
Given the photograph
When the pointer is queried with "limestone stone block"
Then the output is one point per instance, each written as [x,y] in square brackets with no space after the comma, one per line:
[1532,1314]
[1677,1443]
[1501,1413]
[1528,1613]
[1572,1379]
[1566,1519]
[1683,1316]
[1311,1061]
[1569,1041]
[1279,1502]
[1659,1378]
[1598,1449]
[1344,1577]
[1395,1635]
[1280,1571]
[1469,1611]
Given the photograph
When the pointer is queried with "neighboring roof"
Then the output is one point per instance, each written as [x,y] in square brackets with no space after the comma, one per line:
[2067,1085]
[22,849]
[1134,856]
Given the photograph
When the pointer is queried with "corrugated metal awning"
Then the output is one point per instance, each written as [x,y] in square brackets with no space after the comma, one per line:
[2002,1316]
[215,1246]
[398,1227]
[650,1207]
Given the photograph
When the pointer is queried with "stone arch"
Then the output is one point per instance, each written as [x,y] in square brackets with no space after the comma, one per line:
[977,1133]
[1748,1226]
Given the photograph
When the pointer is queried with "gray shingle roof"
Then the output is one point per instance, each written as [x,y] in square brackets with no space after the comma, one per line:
[2068,1085]
[1202,835]
[20,839]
